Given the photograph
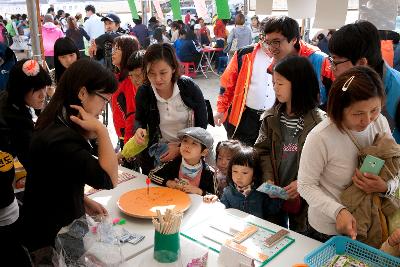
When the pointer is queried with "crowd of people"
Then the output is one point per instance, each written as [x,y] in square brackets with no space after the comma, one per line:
[295,117]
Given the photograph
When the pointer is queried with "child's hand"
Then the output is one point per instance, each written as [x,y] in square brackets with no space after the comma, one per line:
[394,238]
[291,189]
[210,198]
[188,188]
[172,184]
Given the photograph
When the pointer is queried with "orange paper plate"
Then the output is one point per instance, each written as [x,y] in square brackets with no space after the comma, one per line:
[137,203]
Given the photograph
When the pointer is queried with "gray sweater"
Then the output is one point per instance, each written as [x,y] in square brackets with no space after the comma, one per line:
[243,36]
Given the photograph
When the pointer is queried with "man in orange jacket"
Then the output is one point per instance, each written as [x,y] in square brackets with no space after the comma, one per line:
[245,94]
[246,91]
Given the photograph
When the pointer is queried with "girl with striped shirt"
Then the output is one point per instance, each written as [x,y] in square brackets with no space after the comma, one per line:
[283,132]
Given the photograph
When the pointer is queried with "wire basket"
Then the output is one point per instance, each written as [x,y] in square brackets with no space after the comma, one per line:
[341,245]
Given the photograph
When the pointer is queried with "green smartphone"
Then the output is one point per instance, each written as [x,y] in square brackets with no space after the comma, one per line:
[372,165]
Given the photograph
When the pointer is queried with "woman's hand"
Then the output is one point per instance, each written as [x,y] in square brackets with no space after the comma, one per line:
[172,153]
[140,135]
[94,208]
[120,158]
[210,198]
[92,49]
[394,238]
[87,121]
[218,118]
[346,224]
[291,189]
[369,183]
[191,189]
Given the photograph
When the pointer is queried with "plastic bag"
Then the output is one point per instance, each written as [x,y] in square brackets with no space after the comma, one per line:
[132,148]
[20,43]
[88,241]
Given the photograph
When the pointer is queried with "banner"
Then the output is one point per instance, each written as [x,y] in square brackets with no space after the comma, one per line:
[201,8]
[176,9]
[223,9]
[326,19]
[157,6]
[264,7]
[380,13]
[301,9]
[133,9]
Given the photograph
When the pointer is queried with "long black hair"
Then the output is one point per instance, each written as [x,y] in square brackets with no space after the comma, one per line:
[83,73]
[63,46]
[305,86]
[20,83]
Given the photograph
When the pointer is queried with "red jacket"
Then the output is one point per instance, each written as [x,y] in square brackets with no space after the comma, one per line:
[124,108]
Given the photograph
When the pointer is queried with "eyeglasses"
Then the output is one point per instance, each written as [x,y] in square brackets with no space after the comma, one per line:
[114,50]
[334,64]
[106,100]
[274,43]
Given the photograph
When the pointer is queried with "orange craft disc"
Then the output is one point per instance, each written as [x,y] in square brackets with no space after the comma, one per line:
[138,203]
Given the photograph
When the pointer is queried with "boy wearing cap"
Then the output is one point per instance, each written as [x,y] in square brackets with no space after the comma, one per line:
[188,172]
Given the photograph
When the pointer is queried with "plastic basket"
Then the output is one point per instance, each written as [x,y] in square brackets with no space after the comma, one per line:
[340,245]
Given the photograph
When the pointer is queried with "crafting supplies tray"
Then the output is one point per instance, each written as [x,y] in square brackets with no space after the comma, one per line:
[341,245]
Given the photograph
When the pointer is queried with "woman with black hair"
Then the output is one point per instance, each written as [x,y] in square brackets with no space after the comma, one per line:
[65,53]
[123,100]
[62,157]
[26,91]
[283,132]
[165,104]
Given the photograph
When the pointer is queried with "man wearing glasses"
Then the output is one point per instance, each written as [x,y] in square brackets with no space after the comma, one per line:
[359,44]
[282,39]
[246,92]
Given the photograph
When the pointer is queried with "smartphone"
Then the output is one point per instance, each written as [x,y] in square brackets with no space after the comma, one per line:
[372,165]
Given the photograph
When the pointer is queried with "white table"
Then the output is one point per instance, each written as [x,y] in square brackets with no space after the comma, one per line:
[293,254]
[196,213]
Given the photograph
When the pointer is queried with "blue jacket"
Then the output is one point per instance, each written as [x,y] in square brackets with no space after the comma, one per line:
[391,81]
[256,203]
[9,59]
[185,49]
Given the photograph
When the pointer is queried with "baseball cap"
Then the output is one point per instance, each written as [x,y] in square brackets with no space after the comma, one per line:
[199,135]
[111,17]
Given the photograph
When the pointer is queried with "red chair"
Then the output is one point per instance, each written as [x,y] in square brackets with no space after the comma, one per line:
[188,69]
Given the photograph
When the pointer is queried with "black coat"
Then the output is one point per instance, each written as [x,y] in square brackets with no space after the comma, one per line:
[169,171]
[61,164]
[148,116]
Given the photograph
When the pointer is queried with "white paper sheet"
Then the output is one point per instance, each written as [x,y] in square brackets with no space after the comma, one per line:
[263,7]
[330,14]
[301,9]
[382,13]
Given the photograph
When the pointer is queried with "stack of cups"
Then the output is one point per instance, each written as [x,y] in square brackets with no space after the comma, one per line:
[166,237]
